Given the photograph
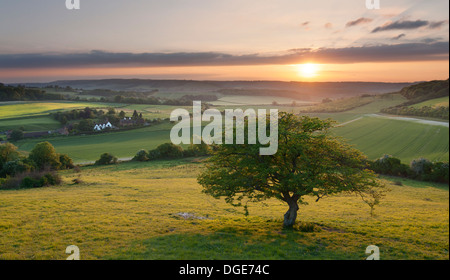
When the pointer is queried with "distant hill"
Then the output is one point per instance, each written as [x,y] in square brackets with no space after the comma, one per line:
[297,90]
[418,94]
[426,91]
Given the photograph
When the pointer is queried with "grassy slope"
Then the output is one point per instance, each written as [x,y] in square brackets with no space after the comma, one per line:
[128,212]
[438,102]
[401,139]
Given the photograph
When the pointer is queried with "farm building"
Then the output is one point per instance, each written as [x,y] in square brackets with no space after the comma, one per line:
[131,122]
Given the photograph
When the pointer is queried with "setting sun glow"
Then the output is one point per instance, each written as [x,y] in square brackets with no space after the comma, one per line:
[308,70]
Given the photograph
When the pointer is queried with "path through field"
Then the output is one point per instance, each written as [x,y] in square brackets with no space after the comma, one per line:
[422,121]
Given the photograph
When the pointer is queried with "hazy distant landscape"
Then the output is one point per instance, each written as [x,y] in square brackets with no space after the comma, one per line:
[224,130]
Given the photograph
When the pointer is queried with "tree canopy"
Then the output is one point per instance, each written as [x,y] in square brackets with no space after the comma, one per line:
[309,162]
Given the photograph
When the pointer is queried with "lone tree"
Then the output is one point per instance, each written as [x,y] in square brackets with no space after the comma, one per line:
[309,162]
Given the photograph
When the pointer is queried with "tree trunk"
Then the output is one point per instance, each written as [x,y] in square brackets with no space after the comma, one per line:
[291,214]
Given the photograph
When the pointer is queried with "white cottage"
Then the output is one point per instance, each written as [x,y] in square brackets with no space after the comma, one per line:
[100,127]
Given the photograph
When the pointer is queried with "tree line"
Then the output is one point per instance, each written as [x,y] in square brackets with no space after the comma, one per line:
[21,93]
[440,112]
[419,169]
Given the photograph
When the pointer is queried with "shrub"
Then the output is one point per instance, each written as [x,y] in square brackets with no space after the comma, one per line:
[197,150]
[440,172]
[66,162]
[106,159]
[390,165]
[422,168]
[28,183]
[12,168]
[169,150]
[142,155]
[32,180]
[154,155]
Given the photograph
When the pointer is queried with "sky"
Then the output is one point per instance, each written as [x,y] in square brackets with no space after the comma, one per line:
[287,40]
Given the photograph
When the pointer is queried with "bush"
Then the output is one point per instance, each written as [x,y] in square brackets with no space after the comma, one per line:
[106,159]
[169,150]
[422,168]
[154,155]
[142,155]
[32,180]
[198,150]
[419,169]
[389,165]
[66,162]
[12,168]
[29,183]
[440,172]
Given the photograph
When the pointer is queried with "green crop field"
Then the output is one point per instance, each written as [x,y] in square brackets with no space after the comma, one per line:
[132,211]
[402,139]
[28,109]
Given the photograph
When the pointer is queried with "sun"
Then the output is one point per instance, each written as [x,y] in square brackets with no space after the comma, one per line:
[308,70]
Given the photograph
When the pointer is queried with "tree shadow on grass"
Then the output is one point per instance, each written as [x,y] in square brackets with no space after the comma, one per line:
[229,243]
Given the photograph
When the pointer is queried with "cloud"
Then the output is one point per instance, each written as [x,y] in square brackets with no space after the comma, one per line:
[359,21]
[432,40]
[305,25]
[328,25]
[437,24]
[378,53]
[407,24]
[399,36]
[401,25]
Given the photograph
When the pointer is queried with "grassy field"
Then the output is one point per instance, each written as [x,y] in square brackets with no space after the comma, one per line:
[438,102]
[28,109]
[129,211]
[88,148]
[39,123]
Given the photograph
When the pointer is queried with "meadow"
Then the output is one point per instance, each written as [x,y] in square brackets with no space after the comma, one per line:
[156,210]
